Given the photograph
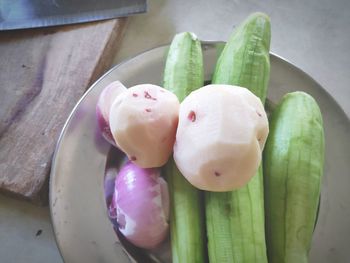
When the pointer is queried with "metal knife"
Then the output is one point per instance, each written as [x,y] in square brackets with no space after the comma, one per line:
[19,14]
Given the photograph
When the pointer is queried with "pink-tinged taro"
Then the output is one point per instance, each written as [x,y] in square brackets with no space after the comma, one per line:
[104,103]
[143,122]
[140,205]
[220,137]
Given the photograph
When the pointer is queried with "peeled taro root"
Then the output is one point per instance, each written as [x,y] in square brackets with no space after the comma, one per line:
[143,122]
[104,103]
[220,137]
[140,205]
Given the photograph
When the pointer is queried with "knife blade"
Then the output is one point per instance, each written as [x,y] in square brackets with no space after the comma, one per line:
[20,14]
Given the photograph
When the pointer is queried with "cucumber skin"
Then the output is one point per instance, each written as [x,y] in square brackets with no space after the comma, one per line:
[184,73]
[293,169]
[249,43]
[184,70]
[186,218]
[240,228]
[239,235]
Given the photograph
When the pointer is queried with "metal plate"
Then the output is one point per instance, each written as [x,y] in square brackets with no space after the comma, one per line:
[83,231]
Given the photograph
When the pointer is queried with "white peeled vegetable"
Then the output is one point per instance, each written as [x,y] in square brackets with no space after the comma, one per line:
[143,122]
[220,137]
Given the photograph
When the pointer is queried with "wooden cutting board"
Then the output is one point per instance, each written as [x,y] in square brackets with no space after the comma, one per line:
[43,73]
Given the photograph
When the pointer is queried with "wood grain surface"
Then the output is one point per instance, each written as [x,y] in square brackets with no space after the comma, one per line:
[43,73]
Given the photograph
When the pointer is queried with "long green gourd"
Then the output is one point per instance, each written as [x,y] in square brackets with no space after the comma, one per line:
[183,74]
[235,220]
[293,168]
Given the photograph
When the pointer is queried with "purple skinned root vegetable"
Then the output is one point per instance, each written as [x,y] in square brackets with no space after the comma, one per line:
[143,122]
[105,100]
[140,205]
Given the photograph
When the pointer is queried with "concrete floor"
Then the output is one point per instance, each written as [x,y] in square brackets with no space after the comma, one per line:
[26,233]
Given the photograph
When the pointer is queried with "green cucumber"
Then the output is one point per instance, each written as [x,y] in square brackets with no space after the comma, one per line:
[184,70]
[293,168]
[235,220]
[245,60]
[183,74]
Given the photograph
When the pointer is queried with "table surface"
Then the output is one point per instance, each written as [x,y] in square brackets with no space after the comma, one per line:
[314,35]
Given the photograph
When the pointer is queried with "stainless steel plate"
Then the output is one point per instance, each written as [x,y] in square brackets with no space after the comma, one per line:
[83,231]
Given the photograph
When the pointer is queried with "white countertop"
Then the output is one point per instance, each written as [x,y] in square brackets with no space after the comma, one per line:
[314,35]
